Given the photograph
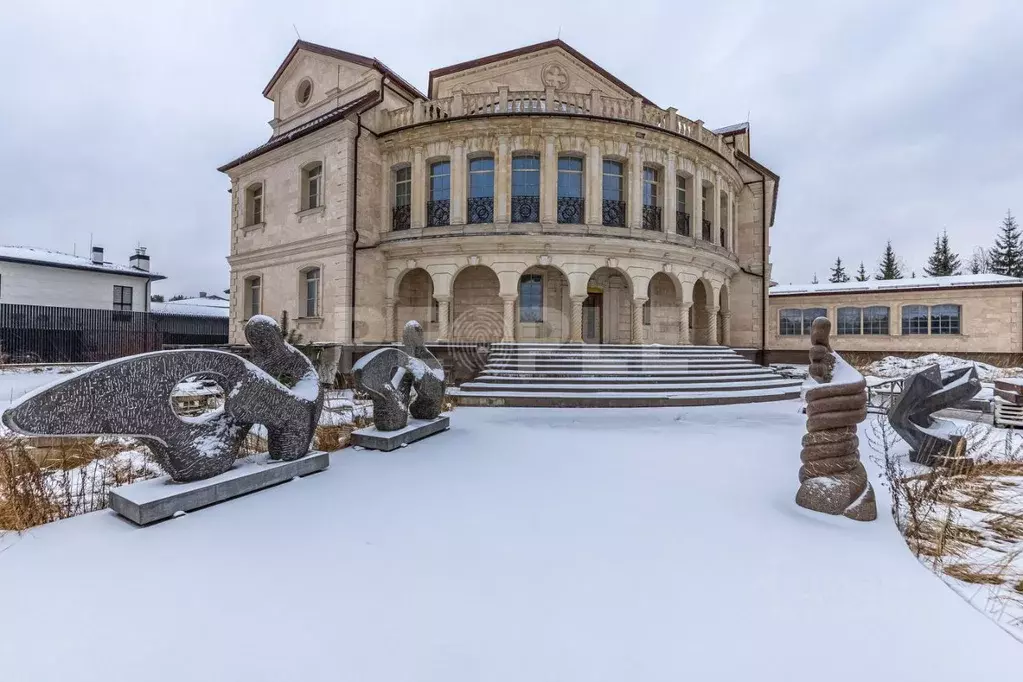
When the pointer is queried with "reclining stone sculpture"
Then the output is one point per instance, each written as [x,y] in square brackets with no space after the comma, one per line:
[131,397]
[932,441]
[389,375]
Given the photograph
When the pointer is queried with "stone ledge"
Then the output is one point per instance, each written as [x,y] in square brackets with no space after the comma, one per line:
[386,441]
[146,502]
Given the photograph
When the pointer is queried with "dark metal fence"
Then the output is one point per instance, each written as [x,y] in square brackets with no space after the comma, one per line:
[33,333]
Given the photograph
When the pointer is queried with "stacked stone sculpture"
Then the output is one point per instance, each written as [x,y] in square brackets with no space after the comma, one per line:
[131,397]
[832,478]
[933,442]
[389,376]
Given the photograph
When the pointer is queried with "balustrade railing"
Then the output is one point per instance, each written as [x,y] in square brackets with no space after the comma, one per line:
[401,217]
[480,210]
[438,213]
[721,233]
[571,210]
[651,217]
[525,209]
[614,213]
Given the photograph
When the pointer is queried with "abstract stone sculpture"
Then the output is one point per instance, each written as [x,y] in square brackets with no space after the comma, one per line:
[389,375]
[933,442]
[832,478]
[131,397]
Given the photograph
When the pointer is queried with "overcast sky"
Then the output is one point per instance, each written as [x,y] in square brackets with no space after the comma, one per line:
[886,119]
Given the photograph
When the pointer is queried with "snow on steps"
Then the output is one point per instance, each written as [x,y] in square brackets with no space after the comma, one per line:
[551,375]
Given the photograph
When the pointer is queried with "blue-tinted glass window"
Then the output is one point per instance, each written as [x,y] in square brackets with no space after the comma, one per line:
[531,298]
[570,176]
[440,181]
[526,176]
[481,177]
[614,181]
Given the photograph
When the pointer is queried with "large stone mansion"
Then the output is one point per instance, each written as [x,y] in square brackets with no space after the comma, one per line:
[529,195]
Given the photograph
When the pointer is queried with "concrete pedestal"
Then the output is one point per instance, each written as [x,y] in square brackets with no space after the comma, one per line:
[417,429]
[157,499]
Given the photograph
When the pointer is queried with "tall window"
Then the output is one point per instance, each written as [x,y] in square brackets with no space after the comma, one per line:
[613,184]
[531,298]
[570,189]
[651,197]
[811,314]
[253,297]
[722,219]
[850,321]
[526,189]
[122,298]
[438,208]
[914,319]
[481,190]
[312,292]
[798,321]
[254,204]
[682,207]
[875,320]
[312,186]
[401,213]
[706,234]
[945,319]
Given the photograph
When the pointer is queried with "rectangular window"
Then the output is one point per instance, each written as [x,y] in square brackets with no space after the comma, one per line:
[481,177]
[945,319]
[790,322]
[650,189]
[312,293]
[614,181]
[875,320]
[122,298]
[255,205]
[681,194]
[313,186]
[531,298]
[252,296]
[811,314]
[850,321]
[570,177]
[914,319]
[403,186]
[440,181]
[525,198]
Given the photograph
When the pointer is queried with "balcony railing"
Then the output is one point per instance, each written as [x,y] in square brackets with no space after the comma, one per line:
[551,101]
[525,209]
[438,213]
[571,210]
[682,218]
[721,233]
[706,231]
[480,210]
[651,217]
[401,217]
[614,213]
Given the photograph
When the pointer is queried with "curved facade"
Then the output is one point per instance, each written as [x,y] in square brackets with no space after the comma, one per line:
[532,197]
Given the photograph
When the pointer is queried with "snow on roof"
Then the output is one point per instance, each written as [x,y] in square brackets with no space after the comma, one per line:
[193,307]
[952,282]
[31,254]
[734,128]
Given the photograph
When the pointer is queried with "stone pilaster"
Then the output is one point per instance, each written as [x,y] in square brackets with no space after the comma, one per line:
[459,183]
[502,182]
[418,188]
[548,183]
[726,328]
[712,325]
[638,332]
[635,207]
[594,186]
[670,201]
[509,317]
[389,315]
[577,319]
[696,214]
[683,324]
[444,318]
[715,209]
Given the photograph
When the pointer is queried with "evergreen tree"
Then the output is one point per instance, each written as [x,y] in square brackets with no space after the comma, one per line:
[889,267]
[861,274]
[814,280]
[1007,256]
[156,298]
[943,262]
[838,273]
[980,261]
[178,297]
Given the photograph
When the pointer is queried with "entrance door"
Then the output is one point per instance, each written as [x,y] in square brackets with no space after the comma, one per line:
[593,309]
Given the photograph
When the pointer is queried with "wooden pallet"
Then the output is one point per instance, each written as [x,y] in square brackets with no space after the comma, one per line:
[1007,414]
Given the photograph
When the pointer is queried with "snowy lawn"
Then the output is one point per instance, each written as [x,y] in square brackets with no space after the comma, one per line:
[16,382]
[543,544]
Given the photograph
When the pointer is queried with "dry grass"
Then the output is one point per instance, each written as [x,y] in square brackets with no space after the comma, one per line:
[969,574]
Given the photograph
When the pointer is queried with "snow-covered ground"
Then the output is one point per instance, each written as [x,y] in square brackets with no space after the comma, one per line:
[16,382]
[544,544]
[893,367]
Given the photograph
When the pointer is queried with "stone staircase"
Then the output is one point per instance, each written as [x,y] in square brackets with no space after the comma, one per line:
[576,375]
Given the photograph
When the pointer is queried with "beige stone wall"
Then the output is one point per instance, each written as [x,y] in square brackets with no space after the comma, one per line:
[665,310]
[990,320]
[478,312]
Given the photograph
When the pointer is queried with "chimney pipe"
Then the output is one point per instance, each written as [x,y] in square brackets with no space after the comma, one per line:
[139,261]
[97,255]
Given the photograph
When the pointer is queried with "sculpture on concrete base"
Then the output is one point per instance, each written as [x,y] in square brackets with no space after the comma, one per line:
[389,376]
[832,478]
[131,397]
[933,442]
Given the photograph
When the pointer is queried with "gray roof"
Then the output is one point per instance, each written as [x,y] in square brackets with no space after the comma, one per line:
[57,259]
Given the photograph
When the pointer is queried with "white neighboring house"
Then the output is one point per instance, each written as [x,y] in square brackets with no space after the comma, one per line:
[32,276]
[203,306]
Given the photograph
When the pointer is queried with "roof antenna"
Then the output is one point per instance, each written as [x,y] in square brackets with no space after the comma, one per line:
[559,32]
[296,31]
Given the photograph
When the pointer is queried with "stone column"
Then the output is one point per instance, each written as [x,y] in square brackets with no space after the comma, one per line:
[683,324]
[635,207]
[502,182]
[696,214]
[548,183]
[577,319]
[444,317]
[638,334]
[509,317]
[459,183]
[670,202]
[726,328]
[712,325]
[418,188]
[594,185]
[389,315]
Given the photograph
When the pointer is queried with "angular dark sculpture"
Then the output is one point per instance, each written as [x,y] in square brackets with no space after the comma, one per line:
[390,374]
[933,441]
[131,397]
[832,478]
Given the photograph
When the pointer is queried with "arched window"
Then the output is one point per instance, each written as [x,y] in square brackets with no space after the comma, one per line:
[480,208]
[531,298]
[253,296]
[254,204]
[570,190]
[438,207]
[651,198]
[401,212]
[525,200]
[613,185]
[312,186]
[311,290]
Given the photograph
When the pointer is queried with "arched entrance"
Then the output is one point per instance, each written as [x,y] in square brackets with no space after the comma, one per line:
[700,323]
[661,316]
[477,307]
[607,311]
[544,307]
[415,302]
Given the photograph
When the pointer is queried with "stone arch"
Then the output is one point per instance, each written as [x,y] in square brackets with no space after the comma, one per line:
[414,301]
[703,301]
[661,316]
[554,323]
[477,308]
[615,317]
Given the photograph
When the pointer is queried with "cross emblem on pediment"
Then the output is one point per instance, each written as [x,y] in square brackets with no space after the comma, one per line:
[555,76]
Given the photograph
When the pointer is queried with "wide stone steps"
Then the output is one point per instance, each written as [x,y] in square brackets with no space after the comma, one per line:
[550,375]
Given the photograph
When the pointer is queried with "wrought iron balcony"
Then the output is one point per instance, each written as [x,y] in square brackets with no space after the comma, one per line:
[651,217]
[525,209]
[614,213]
[706,231]
[571,210]
[438,213]
[401,217]
[722,235]
[480,210]
[682,227]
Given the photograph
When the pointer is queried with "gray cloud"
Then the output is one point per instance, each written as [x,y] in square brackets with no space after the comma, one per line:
[886,120]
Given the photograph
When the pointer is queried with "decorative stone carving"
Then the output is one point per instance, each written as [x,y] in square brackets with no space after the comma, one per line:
[554,76]
[933,442]
[474,260]
[410,264]
[544,260]
[612,262]
[279,389]
[832,478]
[390,374]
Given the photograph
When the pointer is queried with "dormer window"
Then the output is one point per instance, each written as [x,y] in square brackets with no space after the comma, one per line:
[304,92]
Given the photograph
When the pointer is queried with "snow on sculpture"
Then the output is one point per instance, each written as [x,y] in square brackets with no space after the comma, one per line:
[131,397]
[832,478]
[390,374]
[933,441]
